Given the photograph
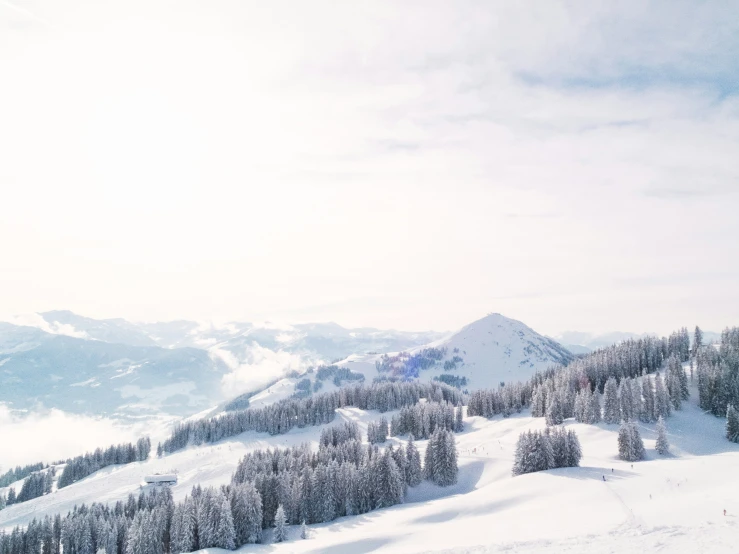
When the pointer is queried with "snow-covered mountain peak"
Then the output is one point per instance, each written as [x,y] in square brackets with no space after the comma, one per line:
[496,349]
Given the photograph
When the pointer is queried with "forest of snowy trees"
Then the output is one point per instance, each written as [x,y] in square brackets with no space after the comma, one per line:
[423,418]
[39,481]
[318,409]
[36,484]
[718,377]
[87,464]
[407,366]
[18,473]
[269,489]
[541,450]
[377,433]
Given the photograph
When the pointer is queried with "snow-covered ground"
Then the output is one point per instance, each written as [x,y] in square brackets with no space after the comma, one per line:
[670,504]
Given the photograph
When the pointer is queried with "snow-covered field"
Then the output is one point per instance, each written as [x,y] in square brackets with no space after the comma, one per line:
[669,504]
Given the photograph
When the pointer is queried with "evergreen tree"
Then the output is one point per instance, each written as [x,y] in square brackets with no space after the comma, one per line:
[625,400]
[448,469]
[594,413]
[574,450]
[638,450]
[303,530]
[555,411]
[581,406]
[677,383]
[225,534]
[637,403]
[648,408]
[281,524]
[663,405]
[697,340]
[732,424]
[459,420]
[440,463]
[611,409]
[630,444]
[413,472]
[383,430]
[663,447]
[388,481]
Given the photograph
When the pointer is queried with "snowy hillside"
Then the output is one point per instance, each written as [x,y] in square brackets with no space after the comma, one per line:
[498,349]
[673,503]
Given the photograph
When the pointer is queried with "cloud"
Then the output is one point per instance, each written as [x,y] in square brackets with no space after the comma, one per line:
[368,152]
[263,367]
[53,435]
[54,328]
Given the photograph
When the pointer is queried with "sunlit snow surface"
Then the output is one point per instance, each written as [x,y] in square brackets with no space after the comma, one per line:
[670,504]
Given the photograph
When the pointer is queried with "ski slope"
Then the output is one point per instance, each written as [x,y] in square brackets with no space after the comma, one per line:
[673,503]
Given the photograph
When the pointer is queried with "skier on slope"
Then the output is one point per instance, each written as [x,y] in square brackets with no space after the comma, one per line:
[604,478]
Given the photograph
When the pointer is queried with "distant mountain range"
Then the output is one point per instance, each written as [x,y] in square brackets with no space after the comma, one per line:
[115,367]
[120,368]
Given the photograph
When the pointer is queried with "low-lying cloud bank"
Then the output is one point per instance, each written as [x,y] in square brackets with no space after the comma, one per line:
[51,435]
[262,367]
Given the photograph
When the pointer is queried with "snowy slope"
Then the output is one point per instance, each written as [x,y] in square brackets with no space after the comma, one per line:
[488,510]
[496,348]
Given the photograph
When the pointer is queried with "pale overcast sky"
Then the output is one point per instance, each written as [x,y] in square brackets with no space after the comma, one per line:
[415,165]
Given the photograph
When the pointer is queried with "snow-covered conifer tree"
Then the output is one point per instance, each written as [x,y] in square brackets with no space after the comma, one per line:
[594,413]
[611,409]
[630,444]
[625,399]
[663,447]
[281,524]
[382,430]
[448,469]
[732,424]
[648,408]
[663,406]
[555,411]
[574,450]
[522,456]
[429,457]
[637,444]
[246,508]
[389,482]
[637,404]
[225,535]
[538,402]
[413,472]
[441,458]
[674,381]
